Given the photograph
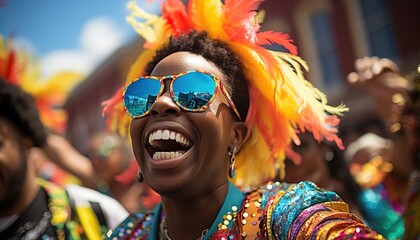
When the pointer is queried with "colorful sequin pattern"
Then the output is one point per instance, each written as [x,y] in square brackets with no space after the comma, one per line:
[274,211]
[67,225]
[135,226]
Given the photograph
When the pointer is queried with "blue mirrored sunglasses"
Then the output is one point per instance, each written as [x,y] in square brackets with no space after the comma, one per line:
[192,91]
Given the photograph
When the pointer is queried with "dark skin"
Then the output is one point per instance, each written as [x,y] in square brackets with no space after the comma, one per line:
[193,186]
[14,151]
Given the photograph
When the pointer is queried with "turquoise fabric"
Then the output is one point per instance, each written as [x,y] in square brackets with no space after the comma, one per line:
[380,216]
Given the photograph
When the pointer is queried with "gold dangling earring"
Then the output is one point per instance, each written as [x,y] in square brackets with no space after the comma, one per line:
[232,170]
[139,177]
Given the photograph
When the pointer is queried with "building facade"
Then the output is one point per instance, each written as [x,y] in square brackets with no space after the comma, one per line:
[330,35]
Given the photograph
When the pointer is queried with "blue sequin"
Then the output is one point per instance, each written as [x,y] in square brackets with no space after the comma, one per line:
[294,201]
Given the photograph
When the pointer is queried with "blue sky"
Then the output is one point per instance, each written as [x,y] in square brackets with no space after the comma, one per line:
[68,34]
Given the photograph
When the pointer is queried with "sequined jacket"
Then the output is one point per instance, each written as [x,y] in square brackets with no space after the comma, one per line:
[273,211]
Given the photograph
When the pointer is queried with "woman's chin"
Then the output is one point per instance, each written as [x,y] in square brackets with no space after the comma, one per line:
[169,174]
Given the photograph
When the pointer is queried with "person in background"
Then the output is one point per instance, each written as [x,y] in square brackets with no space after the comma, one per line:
[395,102]
[368,159]
[22,68]
[206,102]
[323,164]
[32,208]
[109,168]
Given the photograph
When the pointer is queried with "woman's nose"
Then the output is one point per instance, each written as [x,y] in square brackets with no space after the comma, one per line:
[164,105]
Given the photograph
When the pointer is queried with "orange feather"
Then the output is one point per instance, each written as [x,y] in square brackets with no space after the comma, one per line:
[239,20]
[175,14]
[237,11]
[270,37]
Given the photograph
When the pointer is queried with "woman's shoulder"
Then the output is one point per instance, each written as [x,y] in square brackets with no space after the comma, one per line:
[304,191]
[303,210]
[136,225]
[285,201]
[279,205]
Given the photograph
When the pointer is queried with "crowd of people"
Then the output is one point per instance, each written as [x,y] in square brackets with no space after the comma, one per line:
[257,156]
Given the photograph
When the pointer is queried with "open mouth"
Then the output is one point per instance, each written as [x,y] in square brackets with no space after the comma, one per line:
[167,144]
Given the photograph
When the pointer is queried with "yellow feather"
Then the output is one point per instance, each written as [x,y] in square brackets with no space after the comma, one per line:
[151,27]
[137,68]
[208,16]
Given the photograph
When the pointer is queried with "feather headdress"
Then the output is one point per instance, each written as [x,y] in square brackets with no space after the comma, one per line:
[281,100]
[18,67]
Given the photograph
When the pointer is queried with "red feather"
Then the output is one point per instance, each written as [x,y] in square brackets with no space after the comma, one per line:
[175,14]
[270,37]
[239,19]
[110,104]
[10,70]
[237,11]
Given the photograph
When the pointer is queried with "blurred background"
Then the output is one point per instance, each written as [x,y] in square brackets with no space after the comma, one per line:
[91,38]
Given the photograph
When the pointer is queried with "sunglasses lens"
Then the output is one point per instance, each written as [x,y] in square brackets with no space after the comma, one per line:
[140,96]
[194,90]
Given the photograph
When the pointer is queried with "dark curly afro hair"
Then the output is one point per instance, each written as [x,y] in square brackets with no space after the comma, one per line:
[216,52]
[19,108]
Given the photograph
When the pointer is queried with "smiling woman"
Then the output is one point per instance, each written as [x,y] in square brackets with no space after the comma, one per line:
[223,106]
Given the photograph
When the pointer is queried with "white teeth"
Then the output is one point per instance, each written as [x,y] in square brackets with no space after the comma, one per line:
[165,135]
[166,155]
[168,134]
[158,134]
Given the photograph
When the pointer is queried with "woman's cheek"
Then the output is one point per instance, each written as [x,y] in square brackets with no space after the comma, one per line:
[136,130]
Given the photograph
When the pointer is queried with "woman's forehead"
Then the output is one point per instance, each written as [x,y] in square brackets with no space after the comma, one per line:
[185,61]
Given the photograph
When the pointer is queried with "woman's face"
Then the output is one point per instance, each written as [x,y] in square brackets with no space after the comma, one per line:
[197,160]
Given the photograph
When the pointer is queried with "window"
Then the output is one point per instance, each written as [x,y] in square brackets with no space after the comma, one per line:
[326,49]
[378,28]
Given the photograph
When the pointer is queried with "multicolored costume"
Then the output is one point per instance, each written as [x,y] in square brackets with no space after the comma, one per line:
[65,213]
[274,211]
[282,102]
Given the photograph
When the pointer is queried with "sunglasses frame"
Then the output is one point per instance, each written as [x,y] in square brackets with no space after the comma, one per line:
[173,78]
